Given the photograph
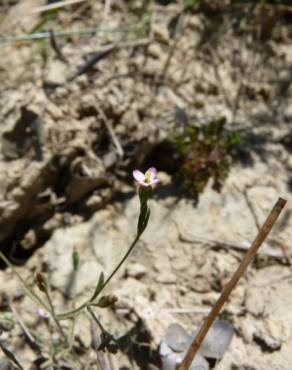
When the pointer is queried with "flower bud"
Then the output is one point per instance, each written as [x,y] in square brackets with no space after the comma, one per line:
[107,300]
[42,315]
[41,282]
[75,259]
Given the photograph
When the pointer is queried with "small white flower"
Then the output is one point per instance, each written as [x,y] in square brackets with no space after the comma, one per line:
[148,178]
[42,314]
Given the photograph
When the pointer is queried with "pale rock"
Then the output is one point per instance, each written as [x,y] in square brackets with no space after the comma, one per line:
[88,101]
[288,113]
[19,17]
[54,110]
[200,285]
[268,334]
[82,330]
[152,66]
[271,302]
[136,270]
[236,355]
[99,244]
[261,199]
[10,285]
[166,277]
[165,178]
[94,203]
[29,240]
[155,51]
[161,33]
[195,22]
[56,73]
[286,51]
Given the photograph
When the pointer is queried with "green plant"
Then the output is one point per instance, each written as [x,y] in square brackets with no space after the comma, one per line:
[203,152]
[191,4]
[53,351]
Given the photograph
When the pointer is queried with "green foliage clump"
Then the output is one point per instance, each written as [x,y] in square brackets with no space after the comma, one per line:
[191,4]
[203,153]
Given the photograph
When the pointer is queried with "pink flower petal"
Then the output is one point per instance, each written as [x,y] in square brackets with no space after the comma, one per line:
[155,181]
[138,176]
[42,314]
[153,172]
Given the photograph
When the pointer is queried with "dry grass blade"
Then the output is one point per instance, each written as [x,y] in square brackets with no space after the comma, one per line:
[33,344]
[263,233]
[57,5]
[112,133]
[79,32]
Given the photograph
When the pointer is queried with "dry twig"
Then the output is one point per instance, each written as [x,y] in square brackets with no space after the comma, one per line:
[32,342]
[263,233]
[111,132]
[56,5]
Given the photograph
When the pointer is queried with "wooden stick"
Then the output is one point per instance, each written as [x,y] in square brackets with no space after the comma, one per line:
[263,233]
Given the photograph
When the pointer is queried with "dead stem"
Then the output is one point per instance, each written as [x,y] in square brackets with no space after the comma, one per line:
[58,5]
[263,233]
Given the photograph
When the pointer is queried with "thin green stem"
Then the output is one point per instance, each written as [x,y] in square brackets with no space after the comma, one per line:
[142,223]
[71,336]
[119,264]
[86,304]
[144,195]
[96,319]
[69,314]
[59,326]
[99,324]
[28,289]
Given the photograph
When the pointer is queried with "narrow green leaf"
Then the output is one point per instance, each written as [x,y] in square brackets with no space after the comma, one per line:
[98,287]
[75,260]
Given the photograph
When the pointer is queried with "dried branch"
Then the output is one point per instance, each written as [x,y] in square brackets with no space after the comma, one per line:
[263,233]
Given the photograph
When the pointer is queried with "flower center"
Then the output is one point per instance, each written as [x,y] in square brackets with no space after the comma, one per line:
[147,177]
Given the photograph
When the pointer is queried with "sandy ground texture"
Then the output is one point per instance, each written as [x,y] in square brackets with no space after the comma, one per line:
[79,113]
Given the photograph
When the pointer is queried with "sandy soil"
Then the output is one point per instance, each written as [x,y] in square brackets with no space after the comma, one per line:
[79,112]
